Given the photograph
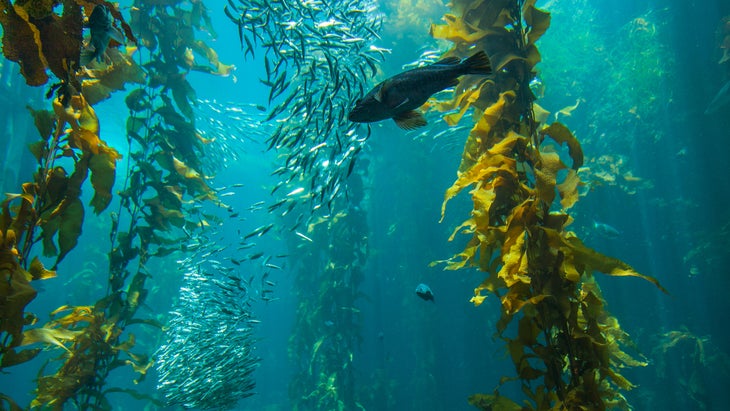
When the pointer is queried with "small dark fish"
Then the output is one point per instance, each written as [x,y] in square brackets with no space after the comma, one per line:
[423,291]
[102,30]
[399,96]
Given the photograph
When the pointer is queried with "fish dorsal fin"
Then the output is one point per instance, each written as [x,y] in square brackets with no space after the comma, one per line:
[448,61]
[410,120]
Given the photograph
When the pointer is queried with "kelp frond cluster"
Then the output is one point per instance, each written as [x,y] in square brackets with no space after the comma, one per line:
[39,39]
[568,351]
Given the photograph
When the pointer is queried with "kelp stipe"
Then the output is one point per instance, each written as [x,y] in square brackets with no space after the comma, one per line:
[567,351]
[70,150]
[326,333]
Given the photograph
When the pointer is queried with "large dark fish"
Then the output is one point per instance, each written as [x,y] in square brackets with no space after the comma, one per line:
[102,30]
[399,96]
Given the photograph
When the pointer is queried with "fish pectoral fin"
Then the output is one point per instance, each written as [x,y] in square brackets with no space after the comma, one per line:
[401,104]
[410,120]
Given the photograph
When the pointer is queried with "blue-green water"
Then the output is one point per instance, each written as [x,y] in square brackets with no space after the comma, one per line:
[643,75]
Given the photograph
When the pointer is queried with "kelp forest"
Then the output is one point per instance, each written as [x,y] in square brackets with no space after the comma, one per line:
[192,219]
[568,351]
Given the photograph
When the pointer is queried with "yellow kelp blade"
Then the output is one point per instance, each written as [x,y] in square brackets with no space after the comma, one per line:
[584,259]
[52,336]
[82,313]
[537,19]
[568,189]
[487,131]
[38,271]
[22,43]
[457,30]
[103,168]
[495,160]
[546,175]
[561,134]
[16,294]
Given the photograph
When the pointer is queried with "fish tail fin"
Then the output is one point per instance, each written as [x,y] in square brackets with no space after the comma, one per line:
[477,64]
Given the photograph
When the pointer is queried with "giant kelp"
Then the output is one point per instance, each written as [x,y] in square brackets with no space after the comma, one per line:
[69,149]
[691,361]
[39,39]
[566,348]
[163,181]
[323,343]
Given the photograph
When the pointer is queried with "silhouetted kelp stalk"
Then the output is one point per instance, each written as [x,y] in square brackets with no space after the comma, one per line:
[327,328]
[567,350]
[318,58]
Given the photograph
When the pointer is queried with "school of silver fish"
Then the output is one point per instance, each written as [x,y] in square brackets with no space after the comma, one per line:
[318,56]
[208,359]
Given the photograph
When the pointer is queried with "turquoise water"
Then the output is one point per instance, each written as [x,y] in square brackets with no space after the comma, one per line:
[334,315]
